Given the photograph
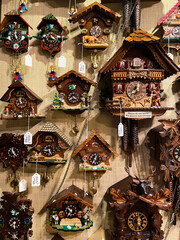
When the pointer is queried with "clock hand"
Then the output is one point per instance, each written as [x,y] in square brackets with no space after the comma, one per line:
[14,225]
[49,151]
[15,34]
[13,152]
[20,100]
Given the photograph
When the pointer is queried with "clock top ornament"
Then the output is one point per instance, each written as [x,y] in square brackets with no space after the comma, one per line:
[69,210]
[15,32]
[15,216]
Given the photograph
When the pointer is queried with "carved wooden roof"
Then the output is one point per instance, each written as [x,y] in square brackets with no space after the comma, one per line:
[18,85]
[75,193]
[152,43]
[69,74]
[94,134]
[50,18]
[96,6]
[169,13]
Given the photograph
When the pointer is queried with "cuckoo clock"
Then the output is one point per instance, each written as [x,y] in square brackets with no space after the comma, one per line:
[13,153]
[15,216]
[132,80]
[49,144]
[73,89]
[50,34]
[69,210]
[137,212]
[22,102]
[15,32]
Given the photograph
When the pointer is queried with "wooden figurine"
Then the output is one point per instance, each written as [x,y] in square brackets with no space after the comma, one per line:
[15,216]
[17,75]
[22,102]
[137,212]
[69,210]
[136,71]
[73,89]
[22,6]
[49,145]
[15,32]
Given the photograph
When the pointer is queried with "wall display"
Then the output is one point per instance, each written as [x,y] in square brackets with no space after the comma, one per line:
[69,210]
[137,211]
[15,32]
[136,71]
[15,216]
[22,102]
[50,34]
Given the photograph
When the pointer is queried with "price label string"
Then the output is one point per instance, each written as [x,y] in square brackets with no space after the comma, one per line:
[82,50]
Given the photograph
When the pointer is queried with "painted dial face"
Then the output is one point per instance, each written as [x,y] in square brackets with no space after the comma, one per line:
[71,210]
[95,31]
[13,152]
[137,221]
[94,159]
[136,90]
[16,36]
[49,150]
[176,31]
[73,97]
[14,222]
[21,102]
[51,37]
[177,154]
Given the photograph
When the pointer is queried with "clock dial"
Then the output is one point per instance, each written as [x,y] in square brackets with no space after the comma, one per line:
[16,36]
[94,159]
[136,90]
[176,31]
[177,154]
[13,152]
[137,221]
[96,31]
[14,222]
[51,37]
[21,102]
[73,97]
[71,210]
[49,150]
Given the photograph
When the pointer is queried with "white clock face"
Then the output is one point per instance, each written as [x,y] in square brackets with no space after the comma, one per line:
[176,31]
[14,222]
[96,31]
[177,154]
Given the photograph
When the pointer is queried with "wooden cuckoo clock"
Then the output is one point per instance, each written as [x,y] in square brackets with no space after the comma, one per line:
[15,216]
[137,211]
[134,92]
[50,34]
[49,144]
[15,32]
[22,102]
[69,210]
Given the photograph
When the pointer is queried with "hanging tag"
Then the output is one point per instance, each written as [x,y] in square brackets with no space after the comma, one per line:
[28,138]
[36,180]
[171,55]
[28,60]
[22,185]
[62,62]
[82,67]
[120,130]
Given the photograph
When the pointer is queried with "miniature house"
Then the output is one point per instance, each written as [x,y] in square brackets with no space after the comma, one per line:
[69,210]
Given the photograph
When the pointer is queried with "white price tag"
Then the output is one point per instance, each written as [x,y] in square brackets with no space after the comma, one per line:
[120,130]
[36,180]
[62,62]
[27,138]
[22,185]
[28,60]
[82,67]
[138,115]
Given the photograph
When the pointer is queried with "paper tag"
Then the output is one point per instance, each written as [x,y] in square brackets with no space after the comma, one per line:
[28,60]
[36,180]
[171,56]
[82,67]
[28,138]
[22,185]
[138,114]
[120,130]
[62,62]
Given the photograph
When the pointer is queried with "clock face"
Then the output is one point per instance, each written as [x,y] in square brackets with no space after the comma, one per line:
[49,150]
[21,102]
[13,152]
[51,37]
[177,154]
[73,97]
[71,210]
[176,31]
[136,90]
[14,222]
[94,159]
[16,36]
[96,31]
[137,221]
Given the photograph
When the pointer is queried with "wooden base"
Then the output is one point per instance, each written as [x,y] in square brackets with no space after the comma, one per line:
[71,110]
[90,168]
[95,45]
[4,117]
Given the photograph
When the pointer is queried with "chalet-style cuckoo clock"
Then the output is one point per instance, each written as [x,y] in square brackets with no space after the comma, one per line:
[134,92]
[69,210]
[15,217]
[137,211]
[15,32]
[22,102]
[50,34]
[95,22]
